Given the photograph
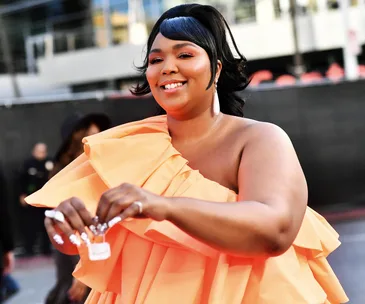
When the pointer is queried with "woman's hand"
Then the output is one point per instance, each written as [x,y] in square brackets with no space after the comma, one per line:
[115,205]
[62,222]
[126,201]
[77,291]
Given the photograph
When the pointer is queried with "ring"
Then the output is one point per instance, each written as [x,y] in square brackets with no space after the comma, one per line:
[140,207]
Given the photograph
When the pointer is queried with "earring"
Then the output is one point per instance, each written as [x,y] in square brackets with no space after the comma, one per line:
[216,105]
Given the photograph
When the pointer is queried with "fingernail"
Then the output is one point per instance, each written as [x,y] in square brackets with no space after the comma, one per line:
[49,213]
[114,221]
[102,227]
[58,216]
[74,240]
[95,219]
[85,238]
[93,229]
[58,239]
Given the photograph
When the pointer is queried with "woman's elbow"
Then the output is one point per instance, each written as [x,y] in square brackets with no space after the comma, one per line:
[265,246]
[279,242]
[276,248]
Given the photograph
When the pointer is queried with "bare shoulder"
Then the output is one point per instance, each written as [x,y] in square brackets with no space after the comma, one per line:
[249,131]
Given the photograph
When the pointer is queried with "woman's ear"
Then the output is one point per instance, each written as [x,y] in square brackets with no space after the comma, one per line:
[218,73]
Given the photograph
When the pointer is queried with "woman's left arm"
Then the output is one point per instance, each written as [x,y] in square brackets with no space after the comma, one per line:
[272,200]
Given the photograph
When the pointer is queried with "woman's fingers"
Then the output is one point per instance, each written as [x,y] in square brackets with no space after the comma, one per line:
[104,205]
[109,199]
[69,232]
[77,218]
[52,232]
[65,228]
[70,216]
[134,210]
[82,219]
[113,202]
[116,207]
[83,213]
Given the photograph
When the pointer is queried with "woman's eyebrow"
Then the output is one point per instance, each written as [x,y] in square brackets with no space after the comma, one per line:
[175,47]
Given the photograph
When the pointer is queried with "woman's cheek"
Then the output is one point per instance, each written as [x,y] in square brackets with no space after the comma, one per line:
[196,69]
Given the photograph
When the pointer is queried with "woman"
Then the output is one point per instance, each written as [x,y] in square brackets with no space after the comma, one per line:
[232,227]
[68,289]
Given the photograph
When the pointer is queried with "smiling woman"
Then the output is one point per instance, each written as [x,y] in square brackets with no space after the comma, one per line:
[195,49]
[178,73]
[200,205]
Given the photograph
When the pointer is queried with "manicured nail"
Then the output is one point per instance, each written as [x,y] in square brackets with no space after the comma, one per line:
[74,240]
[85,238]
[58,216]
[49,213]
[114,221]
[58,239]
[102,227]
[93,229]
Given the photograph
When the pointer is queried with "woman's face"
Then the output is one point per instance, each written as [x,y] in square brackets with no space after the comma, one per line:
[178,74]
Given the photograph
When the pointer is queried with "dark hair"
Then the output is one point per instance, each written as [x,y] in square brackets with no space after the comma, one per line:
[206,27]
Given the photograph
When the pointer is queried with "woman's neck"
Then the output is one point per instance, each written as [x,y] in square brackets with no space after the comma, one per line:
[194,129]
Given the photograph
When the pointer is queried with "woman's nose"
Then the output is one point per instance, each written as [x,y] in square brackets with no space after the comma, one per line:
[169,67]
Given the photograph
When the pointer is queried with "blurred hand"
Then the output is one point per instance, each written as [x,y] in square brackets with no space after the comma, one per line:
[22,200]
[77,291]
[9,262]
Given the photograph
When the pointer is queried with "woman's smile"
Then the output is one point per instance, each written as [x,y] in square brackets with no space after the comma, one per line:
[171,87]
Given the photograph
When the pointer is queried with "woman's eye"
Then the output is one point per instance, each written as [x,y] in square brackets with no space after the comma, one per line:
[155,60]
[185,55]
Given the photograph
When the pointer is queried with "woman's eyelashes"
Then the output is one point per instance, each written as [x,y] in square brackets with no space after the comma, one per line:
[180,56]
[155,60]
[185,55]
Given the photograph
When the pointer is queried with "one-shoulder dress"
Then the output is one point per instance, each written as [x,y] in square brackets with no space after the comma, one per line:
[156,262]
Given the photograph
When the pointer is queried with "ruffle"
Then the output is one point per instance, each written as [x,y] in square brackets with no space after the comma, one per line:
[155,262]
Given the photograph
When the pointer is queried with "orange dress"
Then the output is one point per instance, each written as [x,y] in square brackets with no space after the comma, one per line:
[157,263]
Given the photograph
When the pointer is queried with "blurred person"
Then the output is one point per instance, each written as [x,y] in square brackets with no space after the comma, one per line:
[6,237]
[75,127]
[200,205]
[34,175]
[9,287]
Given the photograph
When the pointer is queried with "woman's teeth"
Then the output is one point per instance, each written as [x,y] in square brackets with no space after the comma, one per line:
[172,85]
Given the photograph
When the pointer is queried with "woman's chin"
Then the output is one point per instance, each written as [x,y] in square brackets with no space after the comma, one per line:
[174,106]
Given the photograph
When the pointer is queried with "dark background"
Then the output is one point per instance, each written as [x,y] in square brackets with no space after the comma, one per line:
[327,126]
[325,122]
